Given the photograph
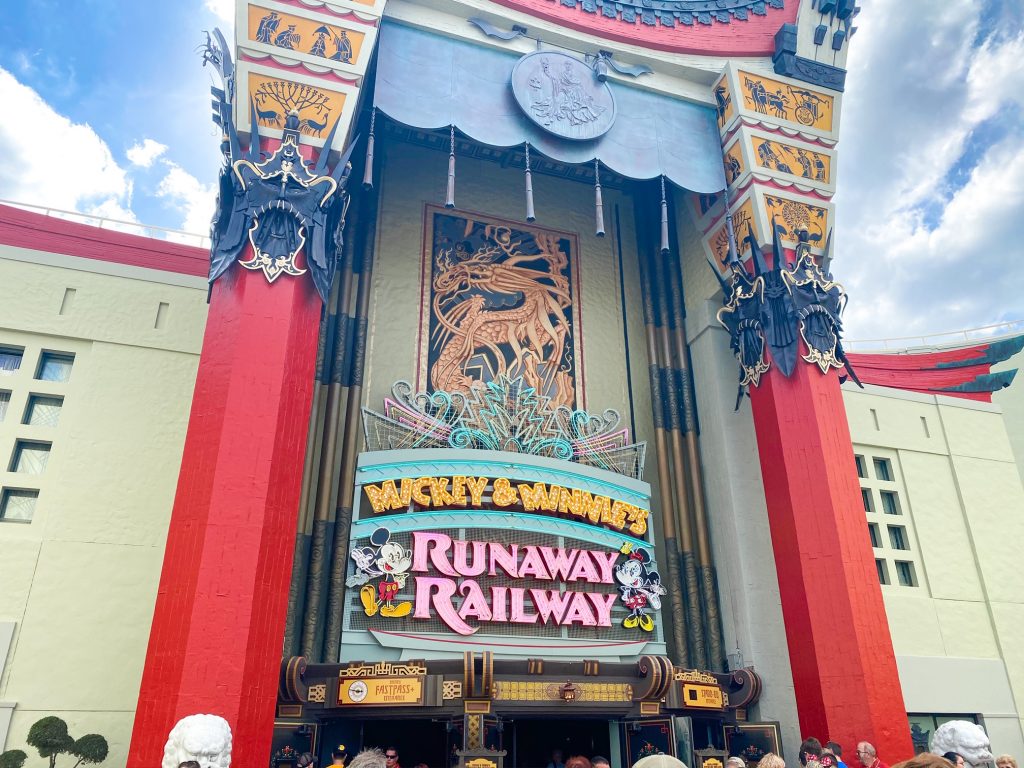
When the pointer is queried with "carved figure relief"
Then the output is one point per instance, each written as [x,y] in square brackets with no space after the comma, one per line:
[274,99]
[786,158]
[563,95]
[501,304]
[775,99]
[303,35]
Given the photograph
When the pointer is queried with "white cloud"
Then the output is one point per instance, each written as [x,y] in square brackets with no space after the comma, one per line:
[49,160]
[191,197]
[222,9]
[919,254]
[143,154]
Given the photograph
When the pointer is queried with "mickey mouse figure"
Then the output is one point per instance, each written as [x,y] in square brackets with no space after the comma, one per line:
[393,562]
[640,586]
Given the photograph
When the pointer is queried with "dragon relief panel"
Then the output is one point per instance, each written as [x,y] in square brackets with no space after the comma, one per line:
[502,300]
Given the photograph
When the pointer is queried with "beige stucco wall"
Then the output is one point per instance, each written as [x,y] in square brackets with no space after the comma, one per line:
[1011,400]
[961,492]
[79,581]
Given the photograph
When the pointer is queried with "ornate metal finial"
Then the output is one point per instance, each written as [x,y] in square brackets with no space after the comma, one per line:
[766,314]
[502,415]
[278,205]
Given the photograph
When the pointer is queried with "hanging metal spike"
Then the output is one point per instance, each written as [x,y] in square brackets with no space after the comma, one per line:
[598,201]
[530,215]
[449,201]
[664,220]
[368,171]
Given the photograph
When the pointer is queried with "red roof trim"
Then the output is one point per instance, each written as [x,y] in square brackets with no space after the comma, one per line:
[753,37]
[49,234]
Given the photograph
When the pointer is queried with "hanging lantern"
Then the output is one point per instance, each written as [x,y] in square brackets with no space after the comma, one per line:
[664,220]
[368,171]
[449,200]
[530,215]
[598,202]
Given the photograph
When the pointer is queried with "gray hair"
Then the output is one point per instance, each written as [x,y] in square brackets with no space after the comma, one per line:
[868,747]
[738,762]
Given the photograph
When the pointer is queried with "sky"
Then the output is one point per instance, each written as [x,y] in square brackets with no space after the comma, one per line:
[105,111]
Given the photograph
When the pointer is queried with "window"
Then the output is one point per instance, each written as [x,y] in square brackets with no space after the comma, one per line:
[898,537]
[5,400]
[922,726]
[873,533]
[54,366]
[865,497]
[17,506]
[905,573]
[883,571]
[860,466]
[890,504]
[883,469]
[10,360]
[43,411]
[30,457]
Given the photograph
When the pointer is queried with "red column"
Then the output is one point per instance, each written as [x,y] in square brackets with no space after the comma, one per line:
[215,642]
[840,649]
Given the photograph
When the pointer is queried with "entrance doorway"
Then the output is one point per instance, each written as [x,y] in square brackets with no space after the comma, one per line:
[534,741]
[417,741]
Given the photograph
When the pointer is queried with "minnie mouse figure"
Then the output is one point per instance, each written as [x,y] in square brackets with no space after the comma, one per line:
[640,586]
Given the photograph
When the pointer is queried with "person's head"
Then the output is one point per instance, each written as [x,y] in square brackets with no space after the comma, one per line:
[736,762]
[420,765]
[835,748]
[597,761]
[391,756]
[866,752]
[955,758]
[770,760]
[1006,761]
[306,760]
[577,761]
[556,755]
[339,755]
[189,764]
[809,748]
[924,760]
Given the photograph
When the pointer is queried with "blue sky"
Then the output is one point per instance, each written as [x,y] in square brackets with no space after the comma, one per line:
[108,113]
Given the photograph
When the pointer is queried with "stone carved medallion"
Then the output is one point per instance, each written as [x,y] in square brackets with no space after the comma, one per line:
[563,95]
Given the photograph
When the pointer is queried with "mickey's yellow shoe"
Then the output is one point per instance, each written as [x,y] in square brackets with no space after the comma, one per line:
[396,611]
[368,597]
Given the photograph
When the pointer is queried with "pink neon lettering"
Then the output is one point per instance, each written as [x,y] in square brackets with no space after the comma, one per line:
[434,545]
[439,593]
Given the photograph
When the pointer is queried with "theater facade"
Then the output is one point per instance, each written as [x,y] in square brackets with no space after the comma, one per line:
[519,419]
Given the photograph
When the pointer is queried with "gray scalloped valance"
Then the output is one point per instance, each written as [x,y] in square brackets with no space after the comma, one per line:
[429,81]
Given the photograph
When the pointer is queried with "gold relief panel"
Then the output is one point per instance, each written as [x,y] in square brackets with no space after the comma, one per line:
[717,242]
[733,161]
[301,34]
[275,97]
[502,300]
[724,107]
[317,693]
[794,103]
[782,157]
[793,215]
[535,690]
[319,102]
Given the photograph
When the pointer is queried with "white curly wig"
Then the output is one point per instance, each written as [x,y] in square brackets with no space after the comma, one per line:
[368,758]
[203,738]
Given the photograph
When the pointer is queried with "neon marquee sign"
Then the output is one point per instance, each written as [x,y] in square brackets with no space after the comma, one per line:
[452,580]
[469,491]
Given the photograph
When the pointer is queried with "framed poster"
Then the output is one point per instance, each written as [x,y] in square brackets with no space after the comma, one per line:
[499,298]
[752,741]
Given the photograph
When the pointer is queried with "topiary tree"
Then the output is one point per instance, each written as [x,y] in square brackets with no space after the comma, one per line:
[50,738]
[91,748]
